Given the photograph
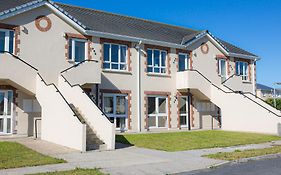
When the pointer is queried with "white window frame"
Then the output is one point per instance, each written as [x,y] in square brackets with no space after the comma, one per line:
[5,116]
[220,68]
[157,114]
[187,111]
[119,57]
[114,115]
[160,62]
[7,39]
[73,40]
[186,61]
[245,72]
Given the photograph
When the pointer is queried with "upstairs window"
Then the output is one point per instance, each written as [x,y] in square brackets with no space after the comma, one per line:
[77,50]
[222,69]
[115,56]
[156,60]
[6,40]
[183,62]
[242,70]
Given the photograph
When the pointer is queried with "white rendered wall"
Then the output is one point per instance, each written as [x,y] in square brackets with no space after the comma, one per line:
[59,125]
[104,129]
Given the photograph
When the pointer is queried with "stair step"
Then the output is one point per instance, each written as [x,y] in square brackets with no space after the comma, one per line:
[91,147]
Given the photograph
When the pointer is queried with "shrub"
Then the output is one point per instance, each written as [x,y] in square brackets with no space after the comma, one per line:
[271,102]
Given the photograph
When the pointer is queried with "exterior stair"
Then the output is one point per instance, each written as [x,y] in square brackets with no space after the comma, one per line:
[92,140]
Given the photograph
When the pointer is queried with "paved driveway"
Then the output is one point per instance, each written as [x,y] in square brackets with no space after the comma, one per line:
[127,160]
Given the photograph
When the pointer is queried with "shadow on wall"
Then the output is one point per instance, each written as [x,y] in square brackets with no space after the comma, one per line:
[107,84]
[279,129]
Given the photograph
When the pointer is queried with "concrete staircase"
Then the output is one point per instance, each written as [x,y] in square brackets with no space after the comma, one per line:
[92,140]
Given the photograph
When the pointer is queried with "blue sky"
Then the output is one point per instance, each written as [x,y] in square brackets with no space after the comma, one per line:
[254,25]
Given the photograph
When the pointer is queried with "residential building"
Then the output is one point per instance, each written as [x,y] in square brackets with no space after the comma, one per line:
[75,76]
[266,92]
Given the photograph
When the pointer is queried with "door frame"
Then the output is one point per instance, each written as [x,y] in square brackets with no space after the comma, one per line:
[114,115]
[187,103]
[5,116]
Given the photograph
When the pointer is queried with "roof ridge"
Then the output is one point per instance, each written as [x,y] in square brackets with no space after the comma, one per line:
[131,17]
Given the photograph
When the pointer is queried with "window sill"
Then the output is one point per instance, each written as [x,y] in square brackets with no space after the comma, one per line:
[158,75]
[117,71]
[246,82]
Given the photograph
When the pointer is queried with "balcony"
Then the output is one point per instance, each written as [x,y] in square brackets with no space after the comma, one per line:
[196,82]
[86,72]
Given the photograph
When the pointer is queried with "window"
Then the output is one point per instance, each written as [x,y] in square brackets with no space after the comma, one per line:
[242,69]
[78,50]
[222,69]
[7,40]
[157,112]
[156,60]
[183,62]
[115,56]
[183,108]
[115,106]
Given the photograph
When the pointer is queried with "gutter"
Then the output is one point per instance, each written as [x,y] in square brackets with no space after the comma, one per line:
[134,39]
[139,92]
[22,8]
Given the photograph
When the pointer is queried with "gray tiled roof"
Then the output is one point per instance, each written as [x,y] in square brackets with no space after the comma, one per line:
[129,26]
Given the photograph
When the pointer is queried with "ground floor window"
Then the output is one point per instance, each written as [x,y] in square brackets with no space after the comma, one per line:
[115,106]
[157,111]
[183,109]
[6,111]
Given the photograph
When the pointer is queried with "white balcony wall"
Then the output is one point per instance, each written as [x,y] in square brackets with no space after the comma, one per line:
[11,68]
[87,72]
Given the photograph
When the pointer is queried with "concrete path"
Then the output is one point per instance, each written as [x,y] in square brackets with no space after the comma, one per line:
[132,160]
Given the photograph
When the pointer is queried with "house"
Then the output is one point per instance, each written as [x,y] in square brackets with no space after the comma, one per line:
[75,76]
[266,92]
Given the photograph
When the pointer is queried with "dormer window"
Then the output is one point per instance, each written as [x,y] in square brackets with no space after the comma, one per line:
[7,40]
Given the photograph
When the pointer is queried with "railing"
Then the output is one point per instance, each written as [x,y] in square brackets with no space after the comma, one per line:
[64,99]
[51,84]
[250,93]
[78,64]
[16,57]
[233,92]
[84,93]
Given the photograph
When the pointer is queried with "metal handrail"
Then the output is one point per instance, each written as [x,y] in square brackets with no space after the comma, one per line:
[18,58]
[250,93]
[233,92]
[78,64]
[57,90]
[103,113]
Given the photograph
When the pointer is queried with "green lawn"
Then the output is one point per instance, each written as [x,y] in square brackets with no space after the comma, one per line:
[77,171]
[179,141]
[230,156]
[14,155]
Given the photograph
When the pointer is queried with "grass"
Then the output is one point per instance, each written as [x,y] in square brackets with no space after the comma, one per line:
[179,141]
[230,156]
[15,155]
[77,171]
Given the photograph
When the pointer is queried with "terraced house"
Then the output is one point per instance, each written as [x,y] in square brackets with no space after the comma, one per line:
[75,76]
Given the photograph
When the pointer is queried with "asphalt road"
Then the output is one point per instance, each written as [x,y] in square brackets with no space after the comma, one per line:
[260,167]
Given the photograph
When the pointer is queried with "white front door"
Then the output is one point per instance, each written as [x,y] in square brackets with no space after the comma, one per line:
[6,112]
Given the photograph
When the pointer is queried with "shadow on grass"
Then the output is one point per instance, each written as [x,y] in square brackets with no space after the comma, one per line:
[122,142]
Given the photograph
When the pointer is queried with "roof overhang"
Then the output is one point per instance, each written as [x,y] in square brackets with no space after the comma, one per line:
[219,45]
[83,30]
